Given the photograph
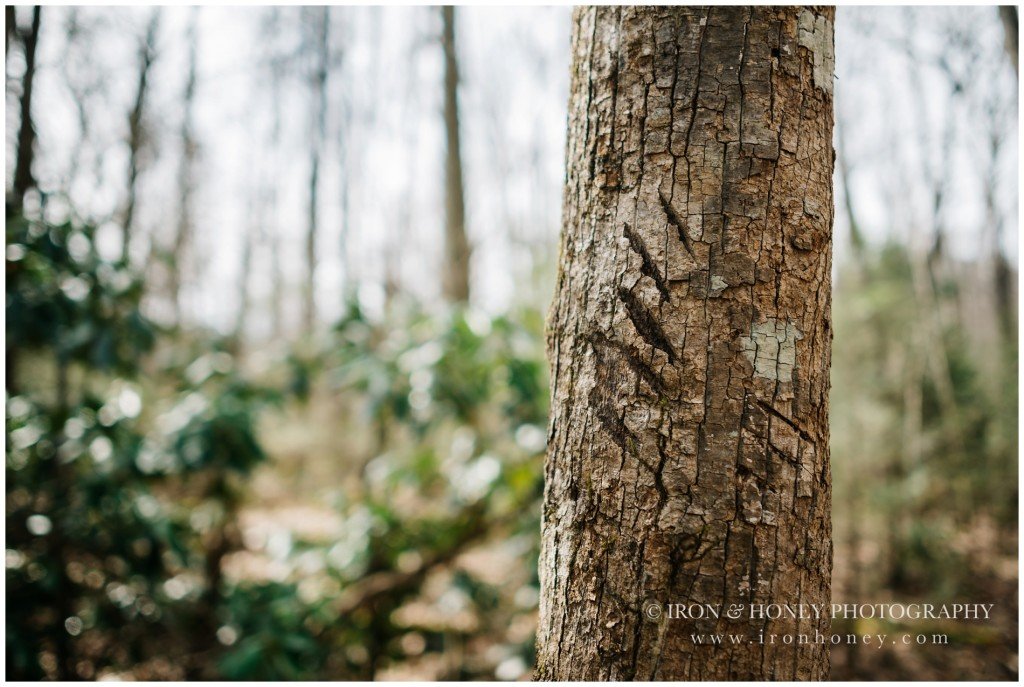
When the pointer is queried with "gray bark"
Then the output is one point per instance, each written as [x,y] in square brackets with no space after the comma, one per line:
[273,241]
[690,343]
[322,24]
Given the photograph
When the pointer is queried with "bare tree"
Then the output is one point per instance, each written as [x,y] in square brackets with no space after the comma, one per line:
[137,132]
[23,177]
[342,136]
[10,27]
[457,249]
[186,172]
[81,89]
[259,210]
[271,235]
[843,160]
[1003,273]
[690,341]
[1011,27]
[322,26]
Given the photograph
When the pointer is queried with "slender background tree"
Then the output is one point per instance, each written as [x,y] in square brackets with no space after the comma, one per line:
[455,275]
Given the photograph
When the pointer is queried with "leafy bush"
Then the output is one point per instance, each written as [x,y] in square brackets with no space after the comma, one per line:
[132,455]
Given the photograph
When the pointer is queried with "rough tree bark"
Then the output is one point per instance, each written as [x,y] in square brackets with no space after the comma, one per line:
[690,345]
[457,250]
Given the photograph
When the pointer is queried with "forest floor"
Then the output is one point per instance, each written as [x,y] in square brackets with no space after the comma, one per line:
[969,649]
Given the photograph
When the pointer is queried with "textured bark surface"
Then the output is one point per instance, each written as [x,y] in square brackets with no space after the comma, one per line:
[689,341]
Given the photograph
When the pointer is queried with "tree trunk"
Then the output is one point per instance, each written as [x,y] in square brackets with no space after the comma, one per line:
[10,27]
[344,135]
[690,342]
[257,211]
[857,241]
[136,132]
[23,177]
[186,174]
[1011,31]
[319,136]
[273,243]
[457,250]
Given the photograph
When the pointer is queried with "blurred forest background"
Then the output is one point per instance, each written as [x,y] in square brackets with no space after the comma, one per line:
[276,393]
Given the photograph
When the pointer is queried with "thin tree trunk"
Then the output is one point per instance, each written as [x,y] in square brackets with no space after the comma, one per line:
[319,136]
[80,93]
[244,299]
[398,239]
[457,251]
[10,27]
[690,343]
[23,177]
[348,283]
[998,268]
[259,208]
[186,174]
[273,242]
[136,132]
[904,461]
[1011,29]
[856,235]
[1005,289]
[343,132]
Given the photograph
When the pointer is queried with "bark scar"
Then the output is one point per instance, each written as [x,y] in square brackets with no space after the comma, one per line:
[676,221]
[646,325]
[647,266]
[603,346]
[770,409]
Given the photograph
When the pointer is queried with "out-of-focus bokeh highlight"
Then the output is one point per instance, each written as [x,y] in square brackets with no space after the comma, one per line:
[250,432]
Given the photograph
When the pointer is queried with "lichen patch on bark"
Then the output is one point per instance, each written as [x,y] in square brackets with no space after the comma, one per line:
[771,349]
[816,36]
